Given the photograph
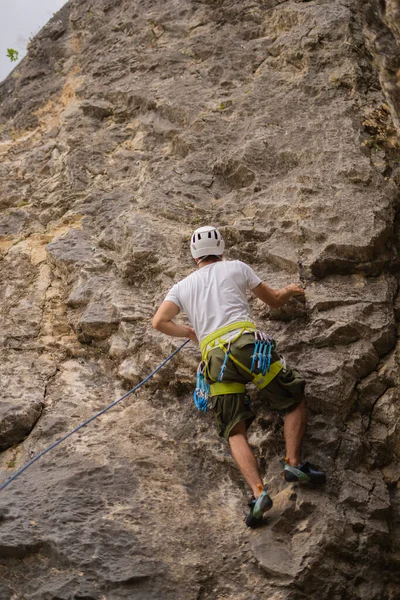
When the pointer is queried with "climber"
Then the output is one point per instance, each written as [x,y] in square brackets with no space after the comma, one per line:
[234,353]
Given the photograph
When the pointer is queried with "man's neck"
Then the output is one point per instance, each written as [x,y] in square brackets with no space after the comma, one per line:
[205,263]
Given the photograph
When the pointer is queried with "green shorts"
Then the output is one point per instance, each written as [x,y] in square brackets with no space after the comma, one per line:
[284,392]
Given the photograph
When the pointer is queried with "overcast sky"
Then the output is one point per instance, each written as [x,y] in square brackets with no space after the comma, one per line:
[20,20]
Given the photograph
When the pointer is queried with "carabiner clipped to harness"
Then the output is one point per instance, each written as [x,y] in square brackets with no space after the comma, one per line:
[261,358]
[269,356]
[264,359]
[202,391]
[222,371]
[254,356]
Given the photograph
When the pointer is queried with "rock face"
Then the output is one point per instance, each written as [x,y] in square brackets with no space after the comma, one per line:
[128,125]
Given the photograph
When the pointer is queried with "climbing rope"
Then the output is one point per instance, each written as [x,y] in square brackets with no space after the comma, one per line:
[67,435]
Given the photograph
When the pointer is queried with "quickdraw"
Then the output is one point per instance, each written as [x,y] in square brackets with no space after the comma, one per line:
[261,358]
[202,391]
[222,371]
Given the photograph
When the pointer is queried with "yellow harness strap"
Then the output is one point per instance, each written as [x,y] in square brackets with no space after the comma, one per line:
[214,341]
[230,387]
[261,380]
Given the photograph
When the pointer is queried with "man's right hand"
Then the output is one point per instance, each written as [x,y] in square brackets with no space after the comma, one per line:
[277,298]
[295,290]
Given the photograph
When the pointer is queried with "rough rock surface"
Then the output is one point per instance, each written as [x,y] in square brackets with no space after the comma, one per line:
[128,124]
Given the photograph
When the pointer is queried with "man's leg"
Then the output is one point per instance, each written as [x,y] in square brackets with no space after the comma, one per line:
[244,457]
[294,471]
[294,429]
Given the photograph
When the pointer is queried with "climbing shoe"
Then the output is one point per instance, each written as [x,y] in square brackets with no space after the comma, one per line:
[302,474]
[257,508]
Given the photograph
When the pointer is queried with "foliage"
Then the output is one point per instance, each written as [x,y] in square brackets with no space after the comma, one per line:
[12,54]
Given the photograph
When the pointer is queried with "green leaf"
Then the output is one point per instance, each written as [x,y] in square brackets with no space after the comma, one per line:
[12,54]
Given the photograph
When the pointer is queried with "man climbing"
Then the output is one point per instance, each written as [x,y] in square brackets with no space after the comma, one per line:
[234,353]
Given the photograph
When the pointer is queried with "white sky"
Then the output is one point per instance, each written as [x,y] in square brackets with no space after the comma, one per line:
[20,20]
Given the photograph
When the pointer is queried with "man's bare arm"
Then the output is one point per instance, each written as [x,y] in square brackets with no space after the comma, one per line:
[277,298]
[163,321]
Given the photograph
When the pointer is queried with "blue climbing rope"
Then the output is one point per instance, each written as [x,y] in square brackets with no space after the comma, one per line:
[67,435]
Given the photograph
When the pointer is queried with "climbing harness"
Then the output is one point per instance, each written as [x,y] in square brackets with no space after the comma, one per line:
[261,360]
[67,435]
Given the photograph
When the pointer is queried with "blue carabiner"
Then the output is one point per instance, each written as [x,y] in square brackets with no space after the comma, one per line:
[201,393]
[270,347]
[200,401]
[264,357]
[222,371]
[259,355]
[254,356]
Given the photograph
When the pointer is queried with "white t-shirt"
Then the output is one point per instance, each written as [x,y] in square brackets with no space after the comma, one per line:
[215,295]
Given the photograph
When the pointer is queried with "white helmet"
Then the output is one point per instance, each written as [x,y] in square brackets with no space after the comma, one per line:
[206,241]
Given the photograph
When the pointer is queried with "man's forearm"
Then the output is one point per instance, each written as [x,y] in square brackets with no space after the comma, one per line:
[173,329]
[277,298]
[287,292]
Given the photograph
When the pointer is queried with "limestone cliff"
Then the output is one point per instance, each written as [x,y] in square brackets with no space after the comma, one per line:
[128,124]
